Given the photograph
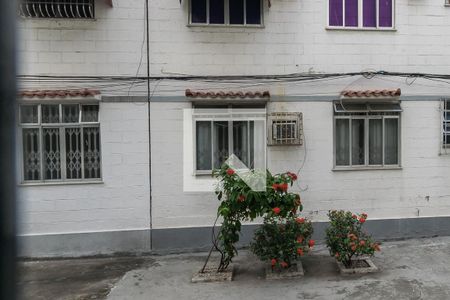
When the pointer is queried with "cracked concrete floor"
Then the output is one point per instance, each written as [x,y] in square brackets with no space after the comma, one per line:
[411,269]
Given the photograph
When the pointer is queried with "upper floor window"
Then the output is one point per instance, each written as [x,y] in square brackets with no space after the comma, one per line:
[60,142]
[367,135]
[67,9]
[363,14]
[226,12]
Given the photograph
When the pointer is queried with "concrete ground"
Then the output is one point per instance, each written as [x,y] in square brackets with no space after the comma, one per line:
[412,269]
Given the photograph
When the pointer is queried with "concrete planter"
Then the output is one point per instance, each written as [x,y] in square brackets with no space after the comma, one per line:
[361,266]
[294,271]
[210,274]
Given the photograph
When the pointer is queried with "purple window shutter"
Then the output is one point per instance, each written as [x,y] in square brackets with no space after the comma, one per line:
[385,13]
[370,13]
[335,13]
[351,13]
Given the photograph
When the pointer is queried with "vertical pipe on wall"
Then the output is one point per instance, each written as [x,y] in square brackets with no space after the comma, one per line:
[7,150]
[149,120]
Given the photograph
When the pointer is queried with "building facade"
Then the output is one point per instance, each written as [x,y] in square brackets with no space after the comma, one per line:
[108,165]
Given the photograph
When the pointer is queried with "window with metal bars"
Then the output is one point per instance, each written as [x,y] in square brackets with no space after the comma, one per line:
[285,128]
[366,135]
[60,142]
[218,133]
[62,9]
[446,124]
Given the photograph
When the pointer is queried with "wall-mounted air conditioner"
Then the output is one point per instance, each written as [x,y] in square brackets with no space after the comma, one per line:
[285,128]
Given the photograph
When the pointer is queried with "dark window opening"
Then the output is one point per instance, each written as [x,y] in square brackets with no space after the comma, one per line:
[71,9]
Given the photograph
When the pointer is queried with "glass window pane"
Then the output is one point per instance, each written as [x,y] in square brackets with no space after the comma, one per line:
[342,142]
[50,113]
[73,153]
[375,142]
[203,145]
[216,12]
[91,143]
[370,13]
[251,164]
[391,141]
[198,11]
[385,13]
[241,141]
[89,113]
[253,12]
[29,114]
[446,139]
[220,143]
[351,13]
[51,153]
[335,12]
[236,11]
[71,113]
[358,149]
[31,154]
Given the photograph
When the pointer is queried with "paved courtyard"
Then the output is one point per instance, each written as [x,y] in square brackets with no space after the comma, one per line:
[411,269]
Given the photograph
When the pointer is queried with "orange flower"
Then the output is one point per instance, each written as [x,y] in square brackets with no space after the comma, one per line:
[276,210]
[311,243]
[362,243]
[300,220]
[362,220]
[353,248]
[300,251]
[354,216]
[273,261]
[300,239]
[230,172]
[284,264]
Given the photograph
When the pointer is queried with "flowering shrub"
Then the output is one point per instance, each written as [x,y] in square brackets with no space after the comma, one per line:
[345,238]
[282,241]
[240,203]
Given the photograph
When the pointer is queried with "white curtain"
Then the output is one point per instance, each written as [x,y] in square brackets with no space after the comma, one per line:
[342,142]
[375,141]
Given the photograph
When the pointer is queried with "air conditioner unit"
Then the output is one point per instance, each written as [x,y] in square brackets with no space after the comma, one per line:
[285,128]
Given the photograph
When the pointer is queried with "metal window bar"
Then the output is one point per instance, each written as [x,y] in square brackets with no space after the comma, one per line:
[445,107]
[366,118]
[53,9]
[59,157]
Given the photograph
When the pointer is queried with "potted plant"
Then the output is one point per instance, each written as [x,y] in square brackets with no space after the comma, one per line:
[284,236]
[349,244]
[281,242]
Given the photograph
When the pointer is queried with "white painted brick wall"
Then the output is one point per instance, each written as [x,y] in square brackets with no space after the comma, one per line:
[121,202]
[109,45]
[295,39]
[381,193]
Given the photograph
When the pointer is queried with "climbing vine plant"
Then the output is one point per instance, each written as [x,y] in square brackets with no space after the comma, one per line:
[240,203]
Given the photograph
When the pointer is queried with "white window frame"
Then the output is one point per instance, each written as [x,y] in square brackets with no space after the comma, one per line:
[229,115]
[227,16]
[62,145]
[360,18]
[366,119]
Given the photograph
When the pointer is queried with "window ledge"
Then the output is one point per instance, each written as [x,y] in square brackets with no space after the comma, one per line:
[226,26]
[332,28]
[338,169]
[48,183]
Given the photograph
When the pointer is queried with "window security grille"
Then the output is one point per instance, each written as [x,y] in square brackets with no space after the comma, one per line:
[60,142]
[285,129]
[446,124]
[65,9]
